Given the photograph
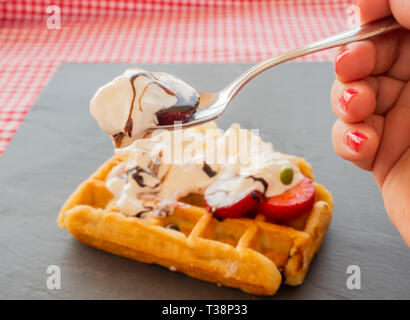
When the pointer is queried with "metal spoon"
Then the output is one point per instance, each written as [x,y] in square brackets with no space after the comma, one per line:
[212,105]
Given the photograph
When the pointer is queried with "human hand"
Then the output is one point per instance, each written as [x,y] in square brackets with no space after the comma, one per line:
[371,98]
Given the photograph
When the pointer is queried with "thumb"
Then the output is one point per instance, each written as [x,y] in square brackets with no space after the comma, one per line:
[401,11]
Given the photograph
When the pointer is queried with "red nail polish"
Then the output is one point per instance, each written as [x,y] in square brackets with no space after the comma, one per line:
[339,58]
[354,139]
[346,96]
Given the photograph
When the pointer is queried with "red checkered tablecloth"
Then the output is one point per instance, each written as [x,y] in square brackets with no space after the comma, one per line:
[147,31]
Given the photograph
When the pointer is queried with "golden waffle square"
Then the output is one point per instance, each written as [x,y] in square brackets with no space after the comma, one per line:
[253,255]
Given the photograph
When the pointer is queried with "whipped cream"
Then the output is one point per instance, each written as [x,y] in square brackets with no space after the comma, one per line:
[151,171]
[131,103]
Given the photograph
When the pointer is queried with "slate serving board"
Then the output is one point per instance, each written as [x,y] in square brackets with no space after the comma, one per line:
[59,145]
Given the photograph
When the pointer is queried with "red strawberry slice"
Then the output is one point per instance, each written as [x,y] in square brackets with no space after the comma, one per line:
[238,209]
[291,204]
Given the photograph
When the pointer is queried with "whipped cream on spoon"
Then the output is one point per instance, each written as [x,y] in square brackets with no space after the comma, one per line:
[137,100]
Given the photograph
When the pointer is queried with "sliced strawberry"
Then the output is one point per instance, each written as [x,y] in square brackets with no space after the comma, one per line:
[238,209]
[291,204]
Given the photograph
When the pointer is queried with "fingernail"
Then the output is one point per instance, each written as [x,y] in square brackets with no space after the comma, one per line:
[354,139]
[340,57]
[346,96]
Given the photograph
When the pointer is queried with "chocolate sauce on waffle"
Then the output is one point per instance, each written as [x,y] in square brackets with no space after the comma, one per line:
[261,180]
[157,211]
[136,174]
[172,227]
[208,170]
[147,209]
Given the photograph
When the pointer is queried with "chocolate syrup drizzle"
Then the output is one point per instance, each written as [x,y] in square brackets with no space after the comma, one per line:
[139,179]
[152,170]
[172,227]
[261,180]
[208,170]
[147,209]
[182,105]
[129,124]
[253,194]
[118,138]
[163,212]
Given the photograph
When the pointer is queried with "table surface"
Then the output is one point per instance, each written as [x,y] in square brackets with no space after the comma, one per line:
[59,145]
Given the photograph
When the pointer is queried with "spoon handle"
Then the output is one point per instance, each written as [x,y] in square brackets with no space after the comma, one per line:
[359,33]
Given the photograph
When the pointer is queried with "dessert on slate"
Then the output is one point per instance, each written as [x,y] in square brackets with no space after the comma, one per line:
[249,221]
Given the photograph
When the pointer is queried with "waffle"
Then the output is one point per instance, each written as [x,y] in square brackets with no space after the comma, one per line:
[247,253]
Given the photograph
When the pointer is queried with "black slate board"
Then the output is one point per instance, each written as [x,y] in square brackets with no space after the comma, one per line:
[59,145]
